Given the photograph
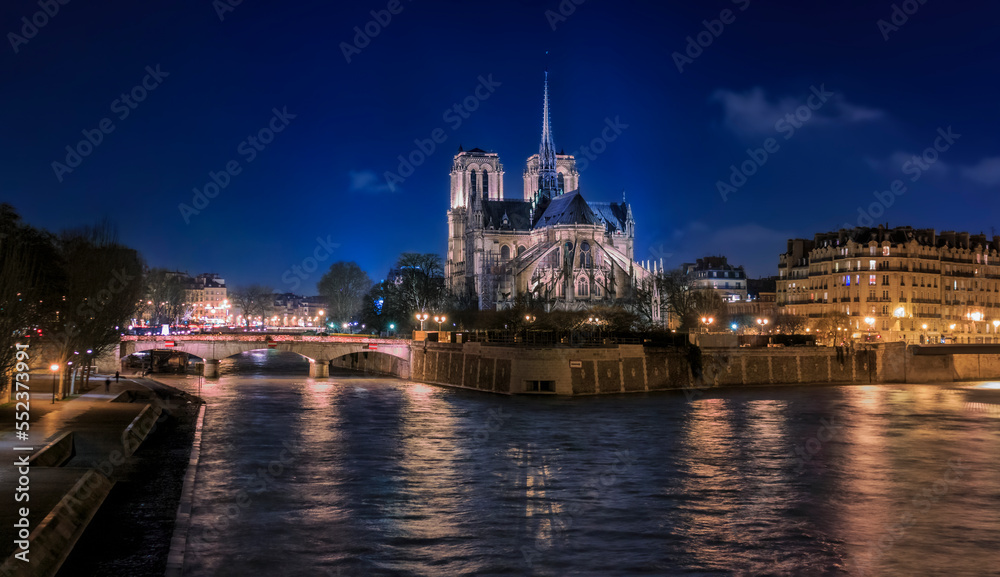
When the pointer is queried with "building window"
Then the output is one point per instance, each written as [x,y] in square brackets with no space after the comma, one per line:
[885,251]
[871,279]
[562,182]
[486,182]
[505,252]
[582,287]
[472,181]
[520,250]
[871,265]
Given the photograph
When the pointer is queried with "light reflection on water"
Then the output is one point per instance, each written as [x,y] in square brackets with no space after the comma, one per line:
[394,478]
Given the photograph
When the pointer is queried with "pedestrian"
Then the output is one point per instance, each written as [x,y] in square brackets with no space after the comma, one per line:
[116,377]
[107,385]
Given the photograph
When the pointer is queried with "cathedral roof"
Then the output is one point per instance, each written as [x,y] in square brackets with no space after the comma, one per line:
[568,208]
[614,214]
[515,211]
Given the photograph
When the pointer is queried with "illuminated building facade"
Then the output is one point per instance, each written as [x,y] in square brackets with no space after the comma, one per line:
[552,244]
[895,284]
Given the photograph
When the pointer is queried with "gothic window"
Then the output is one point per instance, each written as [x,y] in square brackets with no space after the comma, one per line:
[586,259]
[520,250]
[472,180]
[486,181]
[582,287]
[562,183]
[505,252]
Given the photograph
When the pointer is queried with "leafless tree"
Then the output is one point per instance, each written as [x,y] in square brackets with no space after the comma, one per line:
[253,300]
[344,286]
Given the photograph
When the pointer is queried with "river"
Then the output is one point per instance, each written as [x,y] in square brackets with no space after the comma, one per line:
[363,475]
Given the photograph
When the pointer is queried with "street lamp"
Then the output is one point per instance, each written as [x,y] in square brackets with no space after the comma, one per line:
[707,321]
[422,317]
[54,368]
[439,320]
[761,323]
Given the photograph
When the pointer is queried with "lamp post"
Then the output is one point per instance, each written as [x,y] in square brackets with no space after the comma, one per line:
[707,321]
[761,323]
[422,317]
[54,368]
[439,319]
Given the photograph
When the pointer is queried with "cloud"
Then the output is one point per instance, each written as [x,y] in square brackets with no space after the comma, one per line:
[367,182]
[752,113]
[987,171]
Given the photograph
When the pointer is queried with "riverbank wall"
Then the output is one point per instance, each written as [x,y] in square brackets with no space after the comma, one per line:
[518,369]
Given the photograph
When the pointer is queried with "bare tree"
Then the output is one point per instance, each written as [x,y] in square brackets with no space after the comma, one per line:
[420,283]
[344,286]
[104,286]
[164,298]
[253,300]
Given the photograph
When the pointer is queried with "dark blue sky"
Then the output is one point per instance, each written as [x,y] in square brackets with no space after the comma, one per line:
[322,176]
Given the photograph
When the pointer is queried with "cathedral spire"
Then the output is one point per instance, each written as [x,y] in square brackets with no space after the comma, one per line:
[548,179]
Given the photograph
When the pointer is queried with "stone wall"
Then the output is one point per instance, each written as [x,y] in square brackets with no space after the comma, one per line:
[634,368]
[949,368]
[375,363]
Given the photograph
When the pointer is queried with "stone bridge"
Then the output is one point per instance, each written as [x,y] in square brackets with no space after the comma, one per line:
[319,351]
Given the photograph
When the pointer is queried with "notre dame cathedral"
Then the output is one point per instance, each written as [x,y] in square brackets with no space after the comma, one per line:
[553,245]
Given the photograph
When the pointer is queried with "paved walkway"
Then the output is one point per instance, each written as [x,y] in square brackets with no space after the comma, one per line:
[97,424]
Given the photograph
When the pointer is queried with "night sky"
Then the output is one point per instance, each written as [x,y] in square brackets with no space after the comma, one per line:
[217,81]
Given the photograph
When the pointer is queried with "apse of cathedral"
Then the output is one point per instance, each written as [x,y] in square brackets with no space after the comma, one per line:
[553,244]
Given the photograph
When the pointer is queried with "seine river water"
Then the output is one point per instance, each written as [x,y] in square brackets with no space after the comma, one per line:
[359,475]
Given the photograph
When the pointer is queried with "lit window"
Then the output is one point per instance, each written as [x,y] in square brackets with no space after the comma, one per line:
[885,251]
[871,265]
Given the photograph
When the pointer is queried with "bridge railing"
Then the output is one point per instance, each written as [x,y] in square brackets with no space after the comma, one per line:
[261,337]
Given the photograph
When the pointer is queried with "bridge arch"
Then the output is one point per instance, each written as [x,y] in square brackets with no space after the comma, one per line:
[319,351]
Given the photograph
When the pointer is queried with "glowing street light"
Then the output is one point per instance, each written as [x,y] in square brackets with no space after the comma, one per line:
[54,368]
[761,323]
[439,319]
[422,317]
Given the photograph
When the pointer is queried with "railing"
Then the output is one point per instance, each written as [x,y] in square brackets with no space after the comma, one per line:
[264,337]
[574,338]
